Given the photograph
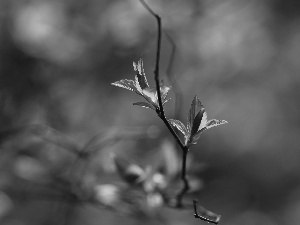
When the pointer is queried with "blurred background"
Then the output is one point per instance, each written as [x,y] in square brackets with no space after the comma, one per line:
[58,60]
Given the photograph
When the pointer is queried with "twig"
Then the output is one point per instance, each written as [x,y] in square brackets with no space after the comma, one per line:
[161,112]
[156,70]
[184,179]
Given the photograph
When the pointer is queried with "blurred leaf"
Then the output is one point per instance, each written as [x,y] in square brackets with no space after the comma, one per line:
[107,194]
[30,169]
[155,200]
[130,172]
[195,184]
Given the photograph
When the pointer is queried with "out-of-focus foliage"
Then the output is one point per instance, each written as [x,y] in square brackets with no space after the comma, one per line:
[57,60]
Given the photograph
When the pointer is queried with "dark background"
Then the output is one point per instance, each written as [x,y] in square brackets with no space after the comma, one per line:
[241,57]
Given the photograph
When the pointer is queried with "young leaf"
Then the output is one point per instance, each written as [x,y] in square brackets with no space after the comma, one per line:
[140,74]
[141,87]
[197,121]
[150,95]
[195,137]
[194,110]
[209,124]
[204,214]
[164,91]
[145,105]
[214,122]
[127,84]
[165,101]
[203,121]
[179,125]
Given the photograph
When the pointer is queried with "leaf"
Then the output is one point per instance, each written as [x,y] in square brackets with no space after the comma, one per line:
[209,124]
[197,121]
[214,122]
[141,74]
[164,91]
[145,105]
[150,95]
[165,101]
[196,106]
[180,126]
[206,215]
[137,85]
[195,137]
[203,121]
[127,84]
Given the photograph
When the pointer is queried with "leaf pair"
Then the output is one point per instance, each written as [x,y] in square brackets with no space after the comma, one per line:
[196,123]
[141,87]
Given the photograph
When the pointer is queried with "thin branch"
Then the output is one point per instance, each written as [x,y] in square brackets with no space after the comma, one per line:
[156,70]
[186,186]
[161,112]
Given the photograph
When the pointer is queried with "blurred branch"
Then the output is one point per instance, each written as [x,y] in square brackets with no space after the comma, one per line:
[113,135]
[176,88]
[56,137]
